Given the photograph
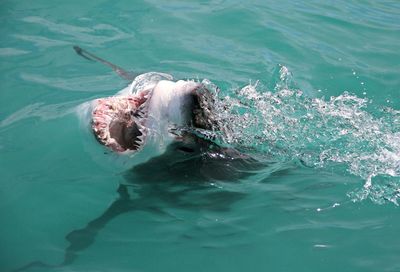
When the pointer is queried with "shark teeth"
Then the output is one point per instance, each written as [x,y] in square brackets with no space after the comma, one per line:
[139,114]
[111,115]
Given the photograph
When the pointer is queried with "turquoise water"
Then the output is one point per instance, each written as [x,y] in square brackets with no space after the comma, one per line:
[320,104]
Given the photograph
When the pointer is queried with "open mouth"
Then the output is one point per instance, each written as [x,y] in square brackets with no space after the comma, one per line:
[118,121]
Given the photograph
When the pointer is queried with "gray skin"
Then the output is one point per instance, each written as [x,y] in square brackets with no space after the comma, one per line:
[173,178]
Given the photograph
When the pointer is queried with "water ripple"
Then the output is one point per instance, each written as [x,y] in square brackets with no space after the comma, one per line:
[76,84]
[7,52]
[94,35]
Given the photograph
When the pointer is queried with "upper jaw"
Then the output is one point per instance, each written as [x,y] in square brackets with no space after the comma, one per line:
[118,122]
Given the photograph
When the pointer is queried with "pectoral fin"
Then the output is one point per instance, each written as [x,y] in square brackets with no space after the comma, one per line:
[120,71]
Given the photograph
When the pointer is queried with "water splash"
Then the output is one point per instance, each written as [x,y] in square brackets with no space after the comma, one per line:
[344,132]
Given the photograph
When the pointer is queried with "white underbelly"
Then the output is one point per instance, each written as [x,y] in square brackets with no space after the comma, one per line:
[169,107]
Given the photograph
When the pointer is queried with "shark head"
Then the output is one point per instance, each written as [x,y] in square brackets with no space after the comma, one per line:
[126,122]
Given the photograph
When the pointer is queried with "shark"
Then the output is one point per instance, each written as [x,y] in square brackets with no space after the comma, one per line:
[167,128]
[151,113]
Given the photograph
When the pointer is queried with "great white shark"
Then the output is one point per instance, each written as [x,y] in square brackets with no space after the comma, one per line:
[152,114]
[159,123]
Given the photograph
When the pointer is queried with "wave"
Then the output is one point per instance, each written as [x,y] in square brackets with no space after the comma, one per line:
[339,132]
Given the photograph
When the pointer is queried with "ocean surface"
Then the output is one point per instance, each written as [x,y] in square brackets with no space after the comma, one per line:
[309,88]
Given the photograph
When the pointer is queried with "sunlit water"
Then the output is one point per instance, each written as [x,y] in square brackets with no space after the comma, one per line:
[311,90]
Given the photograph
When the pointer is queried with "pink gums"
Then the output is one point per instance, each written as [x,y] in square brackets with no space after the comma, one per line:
[114,108]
